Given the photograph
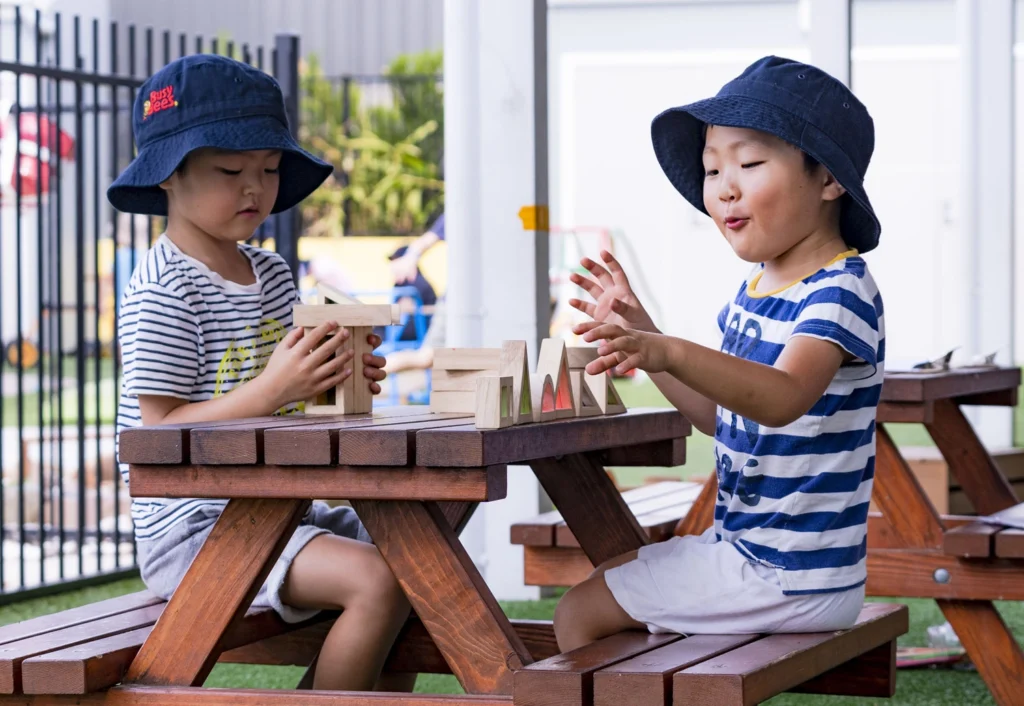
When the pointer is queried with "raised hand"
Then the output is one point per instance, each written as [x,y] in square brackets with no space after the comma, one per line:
[614,299]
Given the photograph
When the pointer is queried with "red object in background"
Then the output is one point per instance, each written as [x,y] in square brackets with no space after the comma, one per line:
[34,155]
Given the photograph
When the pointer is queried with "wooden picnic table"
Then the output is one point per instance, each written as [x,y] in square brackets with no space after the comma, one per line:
[414,478]
[913,551]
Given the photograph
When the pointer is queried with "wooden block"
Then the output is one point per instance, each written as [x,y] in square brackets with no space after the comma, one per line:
[759,670]
[456,380]
[494,402]
[327,294]
[443,402]
[586,404]
[553,361]
[362,396]
[543,396]
[346,315]
[467,359]
[580,356]
[567,679]
[972,541]
[513,362]
[603,390]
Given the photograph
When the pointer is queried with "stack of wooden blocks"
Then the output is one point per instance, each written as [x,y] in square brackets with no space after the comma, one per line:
[497,387]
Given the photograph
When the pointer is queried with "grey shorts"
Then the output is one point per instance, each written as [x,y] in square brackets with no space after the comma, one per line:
[164,561]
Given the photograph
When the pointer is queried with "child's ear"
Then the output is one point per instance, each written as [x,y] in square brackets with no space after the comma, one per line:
[832,189]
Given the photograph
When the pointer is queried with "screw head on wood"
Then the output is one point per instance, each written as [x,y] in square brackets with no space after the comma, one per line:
[941,576]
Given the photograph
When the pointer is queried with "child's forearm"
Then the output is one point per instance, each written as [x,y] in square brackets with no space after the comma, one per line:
[691,404]
[761,393]
[244,401]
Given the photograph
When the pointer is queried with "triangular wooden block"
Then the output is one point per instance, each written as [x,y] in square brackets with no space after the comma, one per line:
[544,398]
[553,361]
[604,393]
[586,405]
[326,294]
[580,356]
[514,364]
[493,402]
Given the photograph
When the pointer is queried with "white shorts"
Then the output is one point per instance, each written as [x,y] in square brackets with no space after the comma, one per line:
[697,585]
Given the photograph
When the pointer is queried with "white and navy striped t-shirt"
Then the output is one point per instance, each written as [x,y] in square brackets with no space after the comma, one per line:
[186,332]
[796,497]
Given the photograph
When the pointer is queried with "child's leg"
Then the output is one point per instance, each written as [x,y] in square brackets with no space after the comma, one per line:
[335,573]
[588,611]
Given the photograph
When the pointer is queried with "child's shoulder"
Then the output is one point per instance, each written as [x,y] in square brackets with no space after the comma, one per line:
[266,262]
[160,269]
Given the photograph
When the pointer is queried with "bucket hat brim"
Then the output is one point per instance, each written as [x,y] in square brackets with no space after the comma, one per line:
[137,189]
[678,137]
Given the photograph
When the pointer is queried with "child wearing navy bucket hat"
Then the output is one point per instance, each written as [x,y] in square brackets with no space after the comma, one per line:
[206,334]
[777,159]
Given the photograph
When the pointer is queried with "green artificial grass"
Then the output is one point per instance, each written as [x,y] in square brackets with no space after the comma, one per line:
[925,687]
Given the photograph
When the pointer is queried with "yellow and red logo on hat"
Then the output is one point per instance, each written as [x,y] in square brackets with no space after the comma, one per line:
[159,100]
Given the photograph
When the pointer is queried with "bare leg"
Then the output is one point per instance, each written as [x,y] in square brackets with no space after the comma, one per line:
[588,611]
[335,573]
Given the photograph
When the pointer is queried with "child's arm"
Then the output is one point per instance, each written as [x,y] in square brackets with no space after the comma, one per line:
[298,370]
[616,303]
[773,396]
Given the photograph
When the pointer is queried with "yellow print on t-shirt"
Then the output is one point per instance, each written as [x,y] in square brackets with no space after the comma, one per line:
[242,362]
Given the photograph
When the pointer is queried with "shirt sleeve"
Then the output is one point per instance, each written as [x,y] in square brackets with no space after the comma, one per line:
[437,227]
[847,314]
[160,343]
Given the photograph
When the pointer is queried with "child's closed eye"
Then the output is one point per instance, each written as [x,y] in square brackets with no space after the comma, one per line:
[230,172]
[751,165]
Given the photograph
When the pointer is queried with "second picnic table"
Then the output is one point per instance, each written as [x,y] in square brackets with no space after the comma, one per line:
[414,478]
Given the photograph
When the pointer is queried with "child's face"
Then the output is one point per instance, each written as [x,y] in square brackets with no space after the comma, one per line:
[761,195]
[225,194]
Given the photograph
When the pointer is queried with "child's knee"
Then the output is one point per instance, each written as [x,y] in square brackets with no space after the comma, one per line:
[380,584]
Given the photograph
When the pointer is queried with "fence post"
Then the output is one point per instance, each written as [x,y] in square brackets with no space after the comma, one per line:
[286,71]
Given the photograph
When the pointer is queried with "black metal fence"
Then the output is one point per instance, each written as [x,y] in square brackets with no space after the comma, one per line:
[67,87]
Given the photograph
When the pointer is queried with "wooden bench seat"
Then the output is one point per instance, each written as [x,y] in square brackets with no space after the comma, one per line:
[987,540]
[640,669]
[551,554]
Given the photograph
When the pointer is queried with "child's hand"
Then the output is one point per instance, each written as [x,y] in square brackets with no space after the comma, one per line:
[374,370]
[614,299]
[300,370]
[624,349]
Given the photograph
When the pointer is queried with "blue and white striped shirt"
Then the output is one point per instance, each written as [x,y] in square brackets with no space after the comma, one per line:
[186,332]
[796,497]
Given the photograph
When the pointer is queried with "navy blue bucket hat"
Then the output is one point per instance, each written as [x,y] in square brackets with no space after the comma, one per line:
[797,103]
[209,101]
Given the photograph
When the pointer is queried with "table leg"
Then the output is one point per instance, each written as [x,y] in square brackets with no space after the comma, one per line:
[702,512]
[216,591]
[983,483]
[591,505]
[990,645]
[447,592]
[900,497]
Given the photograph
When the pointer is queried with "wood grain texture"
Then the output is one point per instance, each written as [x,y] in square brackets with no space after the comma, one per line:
[388,445]
[136,695]
[905,412]
[990,645]
[969,461]
[555,566]
[568,679]
[1010,544]
[322,482]
[216,591]
[467,446]
[647,679]
[447,592]
[911,574]
[347,315]
[913,387]
[759,670]
[702,513]
[667,453]
[170,443]
[77,616]
[872,674]
[651,513]
[974,541]
[900,498]
[591,505]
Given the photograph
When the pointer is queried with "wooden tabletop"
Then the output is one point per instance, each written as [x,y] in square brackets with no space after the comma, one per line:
[959,382]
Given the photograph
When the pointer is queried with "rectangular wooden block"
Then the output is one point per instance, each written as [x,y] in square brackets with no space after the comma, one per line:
[445,402]
[467,359]
[347,315]
[494,402]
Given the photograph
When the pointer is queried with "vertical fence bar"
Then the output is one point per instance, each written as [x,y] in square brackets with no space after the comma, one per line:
[215,46]
[132,245]
[199,44]
[19,182]
[80,289]
[167,47]
[97,303]
[115,236]
[41,297]
[246,54]
[286,69]
[3,416]
[346,119]
[230,49]
[56,151]
[182,45]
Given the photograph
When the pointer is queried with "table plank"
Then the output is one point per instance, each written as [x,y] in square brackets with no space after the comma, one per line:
[468,446]
[319,482]
[591,505]
[216,591]
[969,461]
[1010,544]
[447,592]
[914,387]
[973,541]
[391,445]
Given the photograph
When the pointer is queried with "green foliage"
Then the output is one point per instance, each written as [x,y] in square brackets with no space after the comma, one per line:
[386,154]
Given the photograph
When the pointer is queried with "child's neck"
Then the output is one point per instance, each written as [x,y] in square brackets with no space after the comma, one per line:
[220,256]
[803,259]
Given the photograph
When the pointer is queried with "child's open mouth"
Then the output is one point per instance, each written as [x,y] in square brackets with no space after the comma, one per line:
[736,223]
